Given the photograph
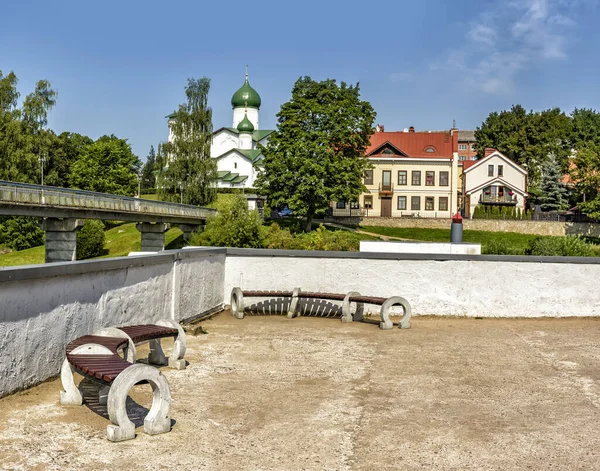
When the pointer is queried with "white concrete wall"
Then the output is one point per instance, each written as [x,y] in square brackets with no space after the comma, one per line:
[375,246]
[436,285]
[44,307]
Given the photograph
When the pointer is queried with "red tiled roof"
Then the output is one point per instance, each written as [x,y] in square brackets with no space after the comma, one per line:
[469,163]
[413,144]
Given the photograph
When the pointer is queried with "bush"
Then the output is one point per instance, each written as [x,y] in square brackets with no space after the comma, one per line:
[501,247]
[499,212]
[566,246]
[323,239]
[277,238]
[20,232]
[90,239]
[234,226]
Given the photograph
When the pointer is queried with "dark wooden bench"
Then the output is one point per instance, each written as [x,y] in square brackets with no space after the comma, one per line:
[109,358]
[238,306]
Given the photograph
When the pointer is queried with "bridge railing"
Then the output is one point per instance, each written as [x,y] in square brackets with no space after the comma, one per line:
[25,193]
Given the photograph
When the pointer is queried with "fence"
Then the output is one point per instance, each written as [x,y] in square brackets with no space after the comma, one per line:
[394,213]
[559,216]
[28,194]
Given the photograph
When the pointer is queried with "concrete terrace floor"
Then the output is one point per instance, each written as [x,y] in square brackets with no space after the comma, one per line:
[270,393]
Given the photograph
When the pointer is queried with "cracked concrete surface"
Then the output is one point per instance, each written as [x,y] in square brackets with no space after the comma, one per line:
[271,393]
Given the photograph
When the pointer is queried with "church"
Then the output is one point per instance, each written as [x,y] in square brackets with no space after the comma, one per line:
[237,149]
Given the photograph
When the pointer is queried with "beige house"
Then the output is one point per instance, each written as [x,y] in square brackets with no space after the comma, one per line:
[494,180]
[414,174]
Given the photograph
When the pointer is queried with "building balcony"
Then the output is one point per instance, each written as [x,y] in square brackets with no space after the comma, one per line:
[498,199]
[386,188]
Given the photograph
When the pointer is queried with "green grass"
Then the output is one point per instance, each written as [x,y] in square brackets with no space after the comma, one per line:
[516,240]
[119,241]
[150,197]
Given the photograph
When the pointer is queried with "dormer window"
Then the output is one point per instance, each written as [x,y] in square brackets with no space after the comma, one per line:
[430,150]
[388,152]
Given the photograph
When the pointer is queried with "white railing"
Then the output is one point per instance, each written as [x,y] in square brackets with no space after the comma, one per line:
[27,194]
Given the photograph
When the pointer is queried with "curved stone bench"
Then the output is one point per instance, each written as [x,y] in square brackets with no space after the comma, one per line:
[238,305]
[97,357]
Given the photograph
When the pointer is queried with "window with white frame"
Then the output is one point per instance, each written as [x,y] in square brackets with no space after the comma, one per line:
[462,147]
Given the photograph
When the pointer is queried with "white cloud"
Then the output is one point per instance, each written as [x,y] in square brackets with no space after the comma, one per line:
[483,34]
[510,37]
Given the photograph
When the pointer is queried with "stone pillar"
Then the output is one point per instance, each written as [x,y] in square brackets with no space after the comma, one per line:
[61,239]
[189,228]
[153,235]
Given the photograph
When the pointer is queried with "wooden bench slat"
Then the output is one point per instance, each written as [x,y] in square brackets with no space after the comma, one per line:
[330,296]
[367,299]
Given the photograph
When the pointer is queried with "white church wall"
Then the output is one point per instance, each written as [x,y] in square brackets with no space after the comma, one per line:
[238,115]
[236,163]
[223,142]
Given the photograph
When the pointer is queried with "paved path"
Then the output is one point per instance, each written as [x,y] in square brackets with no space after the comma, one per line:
[360,231]
[273,393]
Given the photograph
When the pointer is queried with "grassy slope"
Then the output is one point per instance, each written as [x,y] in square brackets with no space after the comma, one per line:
[443,235]
[119,241]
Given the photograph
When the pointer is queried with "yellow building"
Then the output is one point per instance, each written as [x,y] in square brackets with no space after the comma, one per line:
[413,174]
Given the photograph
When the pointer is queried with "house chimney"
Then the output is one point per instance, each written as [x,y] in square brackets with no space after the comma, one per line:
[411,129]
[489,151]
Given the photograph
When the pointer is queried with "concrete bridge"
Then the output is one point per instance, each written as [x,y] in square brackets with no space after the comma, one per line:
[63,211]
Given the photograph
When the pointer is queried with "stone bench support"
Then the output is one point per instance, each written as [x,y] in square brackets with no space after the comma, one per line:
[153,235]
[61,238]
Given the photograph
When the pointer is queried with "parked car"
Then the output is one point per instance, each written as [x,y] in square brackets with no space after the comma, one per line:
[285,212]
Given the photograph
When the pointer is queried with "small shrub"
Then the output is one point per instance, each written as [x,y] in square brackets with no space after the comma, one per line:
[501,247]
[323,239]
[561,246]
[20,232]
[90,239]
[277,238]
[234,226]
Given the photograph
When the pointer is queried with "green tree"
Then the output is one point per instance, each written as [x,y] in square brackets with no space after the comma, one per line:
[191,173]
[108,166]
[586,128]
[317,153]
[63,151]
[528,139]
[234,226]
[23,137]
[148,178]
[585,174]
[554,194]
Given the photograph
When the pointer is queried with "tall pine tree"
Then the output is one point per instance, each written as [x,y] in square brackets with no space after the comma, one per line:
[554,196]
[148,177]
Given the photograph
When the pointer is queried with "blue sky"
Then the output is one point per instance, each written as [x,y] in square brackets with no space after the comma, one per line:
[120,67]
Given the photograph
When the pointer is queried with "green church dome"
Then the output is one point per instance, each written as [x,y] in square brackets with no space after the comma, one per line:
[245,125]
[246,96]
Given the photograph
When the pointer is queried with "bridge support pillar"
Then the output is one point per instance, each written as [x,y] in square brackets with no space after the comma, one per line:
[153,235]
[189,228]
[61,239]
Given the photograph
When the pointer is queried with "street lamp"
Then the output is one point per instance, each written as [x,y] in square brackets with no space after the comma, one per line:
[139,177]
[42,160]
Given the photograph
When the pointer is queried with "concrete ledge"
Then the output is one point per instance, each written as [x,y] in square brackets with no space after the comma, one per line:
[31,272]
[233,252]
